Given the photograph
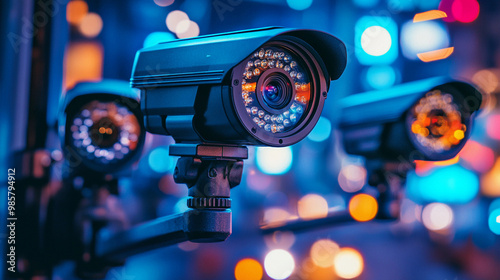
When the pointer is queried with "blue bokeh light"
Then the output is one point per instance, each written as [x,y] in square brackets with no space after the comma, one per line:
[158,37]
[376,40]
[422,37]
[365,3]
[494,221]
[450,184]
[299,5]
[274,161]
[160,161]
[495,204]
[381,77]
[321,131]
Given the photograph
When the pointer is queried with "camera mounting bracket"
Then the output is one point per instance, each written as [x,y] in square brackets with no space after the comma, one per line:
[209,171]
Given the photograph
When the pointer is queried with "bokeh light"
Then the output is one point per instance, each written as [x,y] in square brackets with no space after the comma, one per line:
[323,252]
[187,29]
[312,206]
[490,182]
[445,6]
[365,3]
[494,205]
[274,161]
[279,264]
[493,126]
[429,15]
[157,37]
[274,216]
[465,10]
[280,240]
[381,76]
[376,40]
[160,161]
[299,5]
[448,184]
[437,216]
[348,263]
[423,37]
[352,178]
[248,269]
[91,25]
[494,221]
[164,3]
[321,131]
[76,11]
[83,61]
[479,157]
[487,79]
[363,207]
[174,18]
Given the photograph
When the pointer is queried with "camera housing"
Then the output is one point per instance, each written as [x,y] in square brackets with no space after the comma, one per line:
[424,120]
[100,127]
[253,87]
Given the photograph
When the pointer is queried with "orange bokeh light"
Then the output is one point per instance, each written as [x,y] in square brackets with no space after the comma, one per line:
[248,269]
[429,15]
[436,54]
[363,207]
[82,62]
[76,11]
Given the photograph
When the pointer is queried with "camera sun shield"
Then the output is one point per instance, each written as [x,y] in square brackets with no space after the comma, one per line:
[258,87]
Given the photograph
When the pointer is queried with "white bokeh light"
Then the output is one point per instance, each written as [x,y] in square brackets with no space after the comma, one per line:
[376,40]
[279,264]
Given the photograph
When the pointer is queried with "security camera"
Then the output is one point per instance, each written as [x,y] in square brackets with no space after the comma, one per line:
[254,87]
[424,120]
[100,127]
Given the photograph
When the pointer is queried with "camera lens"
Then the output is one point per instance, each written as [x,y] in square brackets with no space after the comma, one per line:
[104,132]
[277,91]
[436,122]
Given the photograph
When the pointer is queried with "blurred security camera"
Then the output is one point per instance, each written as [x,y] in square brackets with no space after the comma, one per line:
[424,120]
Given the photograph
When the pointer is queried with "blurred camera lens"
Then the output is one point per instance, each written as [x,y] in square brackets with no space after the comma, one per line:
[104,132]
[436,122]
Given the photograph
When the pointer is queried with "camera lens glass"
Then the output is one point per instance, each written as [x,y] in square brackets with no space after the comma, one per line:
[276,91]
[436,122]
[276,88]
[104,132]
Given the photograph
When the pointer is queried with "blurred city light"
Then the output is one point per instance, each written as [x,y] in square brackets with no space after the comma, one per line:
[174,18]
[348,263]
[423,37]
[160,161]
[381,76]
[299,5]
[429,15]
[91,25]
[280,240]
[352,178]
[479,157]
[490,182]
[275,216]
[321,131]
[181,205]
[157,37]
[248,269]
[323,252]
[279,264]
[312,206]
[409,211]
[164,3]
[274,161]
[363,207]
[494,221]
[448,184]
[465,10]
[376,40]
[187,29]
[76,11]
[437,216]
[436,55]
[487,79]
[83,61]
[493,126]
[365,3]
